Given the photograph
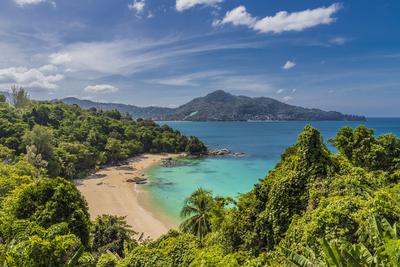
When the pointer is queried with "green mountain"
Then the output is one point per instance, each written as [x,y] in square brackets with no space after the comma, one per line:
[222,106]
[158,113]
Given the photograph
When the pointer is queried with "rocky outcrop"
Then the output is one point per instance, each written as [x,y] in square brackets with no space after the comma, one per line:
[137,180]
[224,152]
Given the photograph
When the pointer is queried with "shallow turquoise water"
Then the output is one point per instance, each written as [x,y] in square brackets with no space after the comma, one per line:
[263,143]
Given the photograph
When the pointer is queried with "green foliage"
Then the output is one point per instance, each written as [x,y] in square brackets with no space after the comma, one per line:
[198,208]
[363,149]
[48,202]
[214,256]
[263,215]
[143,256]
[20,97]
[13,176]
[313,195]
[384,249]
[71,141]
[314,209]
[107,260]
[195,146]
[36,251]
[110,233]
[180,248]
[6,154]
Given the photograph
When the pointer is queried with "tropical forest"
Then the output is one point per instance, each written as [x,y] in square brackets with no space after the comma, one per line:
[315,208]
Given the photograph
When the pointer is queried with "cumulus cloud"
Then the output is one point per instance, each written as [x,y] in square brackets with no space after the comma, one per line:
[182,5]
[282,21]
[23,3]
[237,17]
[137,6]
[29,78]
[48,69]
[289,65]
[101,89]
[60,58]
[280,91]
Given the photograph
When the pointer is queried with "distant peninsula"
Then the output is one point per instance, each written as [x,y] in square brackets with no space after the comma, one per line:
[219,106]
[222,106]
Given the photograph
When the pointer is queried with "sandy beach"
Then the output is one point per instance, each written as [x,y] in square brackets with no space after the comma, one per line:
[108,192]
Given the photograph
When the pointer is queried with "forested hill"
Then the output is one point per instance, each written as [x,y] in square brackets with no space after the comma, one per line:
[69,141]
[152,113]
[222,106]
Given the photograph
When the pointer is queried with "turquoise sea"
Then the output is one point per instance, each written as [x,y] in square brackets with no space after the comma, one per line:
[262,143]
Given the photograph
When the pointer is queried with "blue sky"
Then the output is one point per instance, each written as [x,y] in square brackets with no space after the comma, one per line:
[333,55]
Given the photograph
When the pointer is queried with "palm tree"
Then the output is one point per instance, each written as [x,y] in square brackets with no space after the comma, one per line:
[197,213]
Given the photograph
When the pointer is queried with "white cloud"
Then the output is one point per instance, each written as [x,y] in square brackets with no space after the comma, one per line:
[29,78]
[182,5]
[23,3]
[338,40]
[137,6]
[280,91]
[237,17]
[289,65]
[101,88]
[125,57]
[282,21]
[60,58]
[287,98]
[48,69]
[28,2]
[294,91]
[191,79]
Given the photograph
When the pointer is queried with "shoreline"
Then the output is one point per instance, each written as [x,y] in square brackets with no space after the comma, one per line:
[108,192]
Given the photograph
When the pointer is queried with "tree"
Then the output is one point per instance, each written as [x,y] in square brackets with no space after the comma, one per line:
[116,150]
[197,213]
[195,146]
[19,97]
[41,137]
[48,202]
[107,260]
[38,251]
[6,154]
[3,99]
[110,233]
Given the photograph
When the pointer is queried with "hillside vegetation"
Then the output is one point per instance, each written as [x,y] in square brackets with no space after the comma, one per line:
[69,141]
[315,208]
[222,106]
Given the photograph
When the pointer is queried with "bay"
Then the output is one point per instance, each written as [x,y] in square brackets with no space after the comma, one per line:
[262,142]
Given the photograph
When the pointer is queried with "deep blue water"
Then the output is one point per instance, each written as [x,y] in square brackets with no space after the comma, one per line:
[262,142]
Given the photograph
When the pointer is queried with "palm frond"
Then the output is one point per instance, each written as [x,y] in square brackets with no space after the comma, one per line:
[297,260]
[75,258]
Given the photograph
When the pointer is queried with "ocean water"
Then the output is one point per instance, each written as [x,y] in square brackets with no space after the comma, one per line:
[262,143]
